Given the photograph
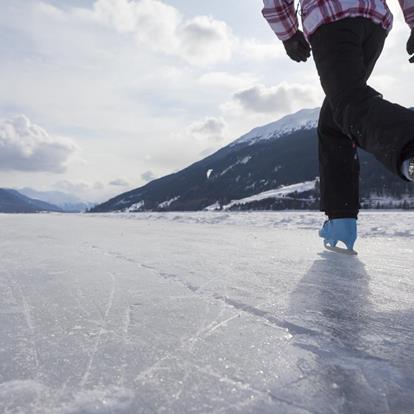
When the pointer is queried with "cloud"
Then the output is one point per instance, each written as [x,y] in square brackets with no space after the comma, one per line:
[204,41]
[279,98]
[208,129]
[77,187]
[252,49]
[28,147]
[227,81]
[146,19]
[148,176]
[91,191]
[202,136]
[382,82]
[208,151]
[120,182]
[201,40]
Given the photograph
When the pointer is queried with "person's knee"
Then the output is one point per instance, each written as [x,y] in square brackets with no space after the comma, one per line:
[351,108]
[326,124]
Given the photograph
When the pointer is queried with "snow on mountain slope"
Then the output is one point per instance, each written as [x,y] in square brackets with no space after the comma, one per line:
[304,119]
[243,161]
[204,313]
[135,207]
[280,192]
[167,203]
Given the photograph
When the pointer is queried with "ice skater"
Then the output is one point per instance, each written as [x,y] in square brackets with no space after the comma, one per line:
[346,38]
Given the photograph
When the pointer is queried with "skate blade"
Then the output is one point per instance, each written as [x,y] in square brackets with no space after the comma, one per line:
[341,250]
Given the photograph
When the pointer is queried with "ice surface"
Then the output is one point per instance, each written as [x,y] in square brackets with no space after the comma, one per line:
[204,313]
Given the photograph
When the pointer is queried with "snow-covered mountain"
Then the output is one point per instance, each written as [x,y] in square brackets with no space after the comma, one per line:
[67,202]
[11,201]
[303,120]
[253,171]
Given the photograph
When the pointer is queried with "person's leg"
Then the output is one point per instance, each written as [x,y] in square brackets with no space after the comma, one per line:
[338,156]
[341,52]
[338,169]
[372,46]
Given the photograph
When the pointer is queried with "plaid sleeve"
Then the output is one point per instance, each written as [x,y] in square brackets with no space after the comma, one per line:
[281,16]
[408,10]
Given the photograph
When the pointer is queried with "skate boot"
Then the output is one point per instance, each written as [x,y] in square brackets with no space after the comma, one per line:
[340,230]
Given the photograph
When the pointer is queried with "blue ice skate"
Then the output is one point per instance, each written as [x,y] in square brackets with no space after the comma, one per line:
[340,230]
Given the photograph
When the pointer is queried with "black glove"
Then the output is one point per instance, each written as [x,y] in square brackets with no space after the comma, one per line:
[410,46]
[297,47]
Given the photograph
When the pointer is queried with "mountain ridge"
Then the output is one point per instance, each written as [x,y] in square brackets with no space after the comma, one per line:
[282,153]
[67,202]
[303,119]
[11,201]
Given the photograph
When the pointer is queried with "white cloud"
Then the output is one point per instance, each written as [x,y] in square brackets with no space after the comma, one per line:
[204,41]
[120,182]
[148,176]
[208,151]
[152,22]
[77,187]
[276,99]
[28,147]
[157,26]
[207,129]
[253,49]
[91,191]
[196,139]
[227,81]
[383,82]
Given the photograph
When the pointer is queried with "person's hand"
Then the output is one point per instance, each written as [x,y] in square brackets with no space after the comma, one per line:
[410,46]
[297,47]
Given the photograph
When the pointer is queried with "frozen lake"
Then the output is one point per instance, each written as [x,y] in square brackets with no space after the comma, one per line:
[204,313]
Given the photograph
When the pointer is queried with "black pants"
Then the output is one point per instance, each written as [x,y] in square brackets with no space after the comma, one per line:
[354,114]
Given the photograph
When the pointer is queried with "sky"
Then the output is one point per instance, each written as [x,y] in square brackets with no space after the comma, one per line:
[98,97]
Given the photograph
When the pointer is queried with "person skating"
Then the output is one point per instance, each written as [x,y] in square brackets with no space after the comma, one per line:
[346,38]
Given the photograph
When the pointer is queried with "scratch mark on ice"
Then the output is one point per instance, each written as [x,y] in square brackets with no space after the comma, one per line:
[101,331]
[26,314]
[223,323]
[127,322]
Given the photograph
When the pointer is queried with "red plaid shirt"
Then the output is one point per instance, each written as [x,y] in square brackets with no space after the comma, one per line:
[282,16]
